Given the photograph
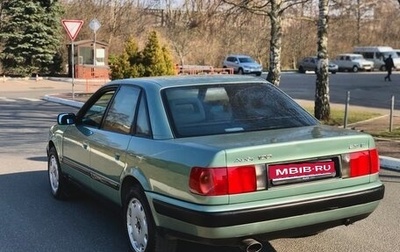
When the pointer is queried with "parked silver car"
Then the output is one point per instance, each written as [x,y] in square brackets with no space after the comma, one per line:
[242,64]
[353,62]
[311,64]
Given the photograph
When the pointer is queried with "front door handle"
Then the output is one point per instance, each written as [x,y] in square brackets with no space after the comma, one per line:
[85,145]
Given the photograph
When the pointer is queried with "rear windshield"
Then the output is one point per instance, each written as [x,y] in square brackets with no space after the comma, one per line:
[229,108]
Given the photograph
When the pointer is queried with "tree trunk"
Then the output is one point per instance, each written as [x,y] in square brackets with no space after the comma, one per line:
[274,73]
[322,109]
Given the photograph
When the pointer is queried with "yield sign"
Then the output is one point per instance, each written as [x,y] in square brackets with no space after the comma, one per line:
[72,27]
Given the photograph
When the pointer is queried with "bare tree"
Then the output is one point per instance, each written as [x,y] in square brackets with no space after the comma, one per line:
[203,32]
[322,107]
[274,9]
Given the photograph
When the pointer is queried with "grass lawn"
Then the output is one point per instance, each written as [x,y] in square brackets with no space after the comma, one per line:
[337,116]
[386,134]
[337,119]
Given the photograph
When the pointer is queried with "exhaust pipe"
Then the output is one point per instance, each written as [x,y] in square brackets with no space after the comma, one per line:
[251,245]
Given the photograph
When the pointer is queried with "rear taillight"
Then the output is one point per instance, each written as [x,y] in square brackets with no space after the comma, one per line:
[226,180]
[360,163]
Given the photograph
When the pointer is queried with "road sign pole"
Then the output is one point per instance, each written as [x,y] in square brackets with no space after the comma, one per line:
[72,27]
[94,25]
[73,68]
[94,50]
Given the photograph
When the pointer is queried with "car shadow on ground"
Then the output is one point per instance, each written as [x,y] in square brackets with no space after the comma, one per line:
[32,220]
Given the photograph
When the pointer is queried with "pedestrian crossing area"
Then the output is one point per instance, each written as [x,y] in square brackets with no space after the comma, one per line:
[19,99]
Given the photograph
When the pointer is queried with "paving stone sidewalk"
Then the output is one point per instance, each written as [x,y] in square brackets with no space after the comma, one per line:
[386,147]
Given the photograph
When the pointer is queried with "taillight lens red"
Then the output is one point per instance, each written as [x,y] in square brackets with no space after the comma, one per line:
[222,181]
[364,163]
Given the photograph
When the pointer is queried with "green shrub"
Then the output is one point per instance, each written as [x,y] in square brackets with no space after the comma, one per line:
[154,60]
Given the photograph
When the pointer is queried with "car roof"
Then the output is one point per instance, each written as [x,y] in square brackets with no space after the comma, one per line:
[238,55]
[350,54]
[187,80]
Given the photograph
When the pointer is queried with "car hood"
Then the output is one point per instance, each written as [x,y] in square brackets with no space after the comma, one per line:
[363,61]
[250,65]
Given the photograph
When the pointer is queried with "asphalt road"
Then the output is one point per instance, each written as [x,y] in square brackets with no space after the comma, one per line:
[366,89]
[31,220]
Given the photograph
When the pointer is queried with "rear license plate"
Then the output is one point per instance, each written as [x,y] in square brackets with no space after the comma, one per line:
[299,172]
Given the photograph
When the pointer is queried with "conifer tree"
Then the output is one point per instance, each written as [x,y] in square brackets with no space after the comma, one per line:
[155,60]
[30,36]
[129,63]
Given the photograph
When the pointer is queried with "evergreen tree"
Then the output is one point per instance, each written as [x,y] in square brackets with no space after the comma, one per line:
[129,63]
[168,61]
[31,36]
[155,60]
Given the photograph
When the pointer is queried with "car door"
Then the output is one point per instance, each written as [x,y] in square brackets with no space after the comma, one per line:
[76,142]
[109,142]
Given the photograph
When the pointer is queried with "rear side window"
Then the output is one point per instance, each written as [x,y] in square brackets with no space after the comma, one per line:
[224,109]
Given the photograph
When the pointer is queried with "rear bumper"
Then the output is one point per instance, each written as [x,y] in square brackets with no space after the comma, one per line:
[267,222]
[246,216]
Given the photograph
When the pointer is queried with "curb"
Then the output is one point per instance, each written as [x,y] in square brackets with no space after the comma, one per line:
[388,163]
[55,99]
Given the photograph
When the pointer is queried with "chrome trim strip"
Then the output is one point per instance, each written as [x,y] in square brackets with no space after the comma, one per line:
[91,173]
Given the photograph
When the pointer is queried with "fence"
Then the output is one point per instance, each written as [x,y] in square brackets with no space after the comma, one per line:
[391,111]
[199,69]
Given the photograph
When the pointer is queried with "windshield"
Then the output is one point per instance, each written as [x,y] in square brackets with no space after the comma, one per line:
[228,108]
[391,53]
[357,57]
[246,60]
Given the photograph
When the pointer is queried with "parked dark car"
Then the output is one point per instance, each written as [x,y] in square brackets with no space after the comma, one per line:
[311,64]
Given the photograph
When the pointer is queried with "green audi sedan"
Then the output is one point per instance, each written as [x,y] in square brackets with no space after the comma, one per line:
[214,159]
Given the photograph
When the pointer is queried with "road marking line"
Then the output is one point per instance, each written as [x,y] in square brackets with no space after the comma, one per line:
[6,99]
[30,99]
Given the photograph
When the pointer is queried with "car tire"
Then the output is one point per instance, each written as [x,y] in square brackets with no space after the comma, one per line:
[58,183]
[333,72]
[301,70]
[240,71]
[382,68]
[355,69]
[140,226]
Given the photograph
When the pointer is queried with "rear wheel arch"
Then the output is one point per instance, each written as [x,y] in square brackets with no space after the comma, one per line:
[140,226]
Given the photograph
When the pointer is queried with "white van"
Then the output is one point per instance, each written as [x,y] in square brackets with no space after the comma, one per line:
[378,54]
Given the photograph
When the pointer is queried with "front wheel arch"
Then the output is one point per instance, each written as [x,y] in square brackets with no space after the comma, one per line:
[58,183]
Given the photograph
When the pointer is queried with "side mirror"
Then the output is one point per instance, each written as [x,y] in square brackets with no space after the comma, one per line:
[66,118]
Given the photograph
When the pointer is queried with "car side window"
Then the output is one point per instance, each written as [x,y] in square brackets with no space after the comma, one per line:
[120,115]
[94,114]
[142,122]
